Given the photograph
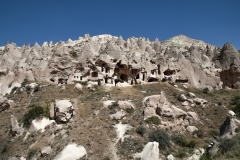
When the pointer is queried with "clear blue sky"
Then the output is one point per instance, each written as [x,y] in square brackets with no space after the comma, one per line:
[30,21]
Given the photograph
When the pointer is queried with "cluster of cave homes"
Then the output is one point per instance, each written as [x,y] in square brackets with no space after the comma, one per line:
[112,73]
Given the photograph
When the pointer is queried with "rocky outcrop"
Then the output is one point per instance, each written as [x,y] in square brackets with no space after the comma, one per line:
[61,111]
[150,151]
[228,128]
[110,60]
[16,128]
[158,105]
[3,104]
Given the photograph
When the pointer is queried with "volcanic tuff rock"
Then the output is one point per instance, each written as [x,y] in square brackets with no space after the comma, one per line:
[107,59]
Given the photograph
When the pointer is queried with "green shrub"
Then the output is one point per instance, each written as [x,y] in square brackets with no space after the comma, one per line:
[226,144]
[236,105]
[161,137]
[181,153]
[141,130]
[73,53]
[205,156]
[180,140]
[106,158]
[36,88]
[13,90]
[129,110]
[153,120]
[25,81]
[31,153]
[4,148]
[113,105]
[33,113]
[191,144]
[205,90]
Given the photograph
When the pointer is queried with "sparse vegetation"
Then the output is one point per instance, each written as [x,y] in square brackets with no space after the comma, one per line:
[153,120]
[206,90]
[161,137]
[33,113]
[180,140]
[31,153]
[13,90]
[25,81]
[129,110]
[235,102]
[36,88]
[73,53]
[141,130]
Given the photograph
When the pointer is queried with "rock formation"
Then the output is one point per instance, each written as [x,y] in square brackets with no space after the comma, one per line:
[107,59]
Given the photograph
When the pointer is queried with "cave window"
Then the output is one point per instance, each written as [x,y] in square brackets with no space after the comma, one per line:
[226,78]
[152,72]
[137,77]
[94,74]
[77,76]
[74,76]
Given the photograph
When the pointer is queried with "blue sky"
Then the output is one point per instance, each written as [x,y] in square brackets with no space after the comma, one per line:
[30,21]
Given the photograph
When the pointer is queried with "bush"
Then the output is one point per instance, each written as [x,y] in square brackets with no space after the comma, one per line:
[161,137]
[36,88]
[236,105]
[129,110]
[106,158]
[141,130]
[13,90]
[226,144]
[205,90]
[153,120]
[180,140]
[23,84]
[181,153]
[113,105]
[73,53]
[31,153]
[205,156]
[33,113]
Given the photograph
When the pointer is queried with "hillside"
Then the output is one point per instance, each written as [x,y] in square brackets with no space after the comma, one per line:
[103,97]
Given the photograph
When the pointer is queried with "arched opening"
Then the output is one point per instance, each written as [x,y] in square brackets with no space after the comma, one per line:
[152,80]
[137,77]
[124,77]
[117,80]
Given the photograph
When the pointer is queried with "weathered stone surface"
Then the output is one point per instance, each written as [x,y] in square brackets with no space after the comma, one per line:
[110,60]
[191,129]
[228,128]
[63,111]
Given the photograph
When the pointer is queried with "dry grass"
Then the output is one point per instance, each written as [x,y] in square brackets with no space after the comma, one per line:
[96,132]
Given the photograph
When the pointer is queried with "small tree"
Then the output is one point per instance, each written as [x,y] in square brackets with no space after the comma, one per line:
[161,137]
[141,130]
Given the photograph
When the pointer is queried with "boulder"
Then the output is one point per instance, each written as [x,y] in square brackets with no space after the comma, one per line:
[192,95]
[193,115]
[16,129]
[72,151]
[63,111]
[231,113]
[46,151]
[150,151]
[170,157]
[199,101]
[182,98]
[191,129]
[185,103]
[78,86]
